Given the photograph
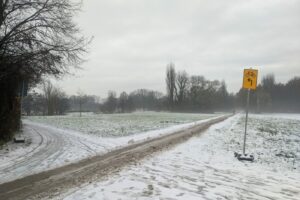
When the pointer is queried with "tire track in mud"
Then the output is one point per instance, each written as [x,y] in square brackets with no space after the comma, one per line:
[193,177]
[51,182]
[49,145]
[20,159]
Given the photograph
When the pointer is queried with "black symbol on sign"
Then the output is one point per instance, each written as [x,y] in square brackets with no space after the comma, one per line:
[251,74]
[250,80]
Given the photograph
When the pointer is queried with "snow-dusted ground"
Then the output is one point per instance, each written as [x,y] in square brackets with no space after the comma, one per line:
[116,125]
[48,147]
[205,168]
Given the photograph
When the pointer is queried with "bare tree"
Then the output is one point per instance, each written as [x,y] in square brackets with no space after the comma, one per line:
[170,81]
[28,104]
[110,104]
[48,88]
[56,101]
[182,80]
[81,100]
[37,37]
[123,102]
[268,82]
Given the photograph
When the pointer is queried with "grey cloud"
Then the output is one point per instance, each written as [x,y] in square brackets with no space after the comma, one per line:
[136,39]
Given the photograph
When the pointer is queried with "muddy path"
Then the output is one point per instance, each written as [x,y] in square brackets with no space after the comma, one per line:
[46,148]
[53,182]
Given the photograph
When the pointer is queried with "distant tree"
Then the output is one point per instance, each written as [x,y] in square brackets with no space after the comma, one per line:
[48,88]
[171,84]
[223,97]
[273,97]
[197,93]
[268,82]
[55,100]
[81,100]
[62,103]
[38,104]
[182,81]
[293,94]
[91,103]
[263,100]
[145,99]
[27,104]
[212,100]
[123,102]
[110,105]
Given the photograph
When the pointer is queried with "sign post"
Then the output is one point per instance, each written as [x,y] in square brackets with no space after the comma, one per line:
[246,121]
[249,83]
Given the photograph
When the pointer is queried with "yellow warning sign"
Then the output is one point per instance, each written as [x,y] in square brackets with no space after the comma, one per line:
[250,79]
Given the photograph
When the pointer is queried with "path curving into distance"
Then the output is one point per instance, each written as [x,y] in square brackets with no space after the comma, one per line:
[52,181]
[52,147]
[49,148]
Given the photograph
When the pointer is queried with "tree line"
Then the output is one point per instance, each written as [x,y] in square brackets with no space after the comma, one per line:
[52,100]
[141,99]
[271,96]
[184,93]
[195,93]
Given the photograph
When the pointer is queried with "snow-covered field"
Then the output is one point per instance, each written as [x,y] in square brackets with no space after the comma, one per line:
[205,168]
[51,143]
[109,125]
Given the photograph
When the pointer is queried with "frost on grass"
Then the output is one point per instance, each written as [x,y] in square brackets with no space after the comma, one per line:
[53,144]
[205,168]
[115,125]
[273,141]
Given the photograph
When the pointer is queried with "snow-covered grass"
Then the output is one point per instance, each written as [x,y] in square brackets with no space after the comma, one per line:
[273,139]
[115,125]
[205,166]
[53,143]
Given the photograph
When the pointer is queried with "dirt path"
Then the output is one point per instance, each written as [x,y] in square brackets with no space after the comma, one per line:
[52,182]
[49,149]
[201,168]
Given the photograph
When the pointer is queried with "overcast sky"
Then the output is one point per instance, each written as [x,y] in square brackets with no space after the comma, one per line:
[134,40]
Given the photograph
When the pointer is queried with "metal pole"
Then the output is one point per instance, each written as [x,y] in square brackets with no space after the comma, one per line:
[246,121]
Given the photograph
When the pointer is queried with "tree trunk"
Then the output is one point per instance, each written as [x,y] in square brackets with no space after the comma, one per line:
[9,110]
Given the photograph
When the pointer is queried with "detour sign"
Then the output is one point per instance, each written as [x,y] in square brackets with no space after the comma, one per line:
[250,79]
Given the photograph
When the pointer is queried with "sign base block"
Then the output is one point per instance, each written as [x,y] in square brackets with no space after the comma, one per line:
[19,139]
[245,157]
